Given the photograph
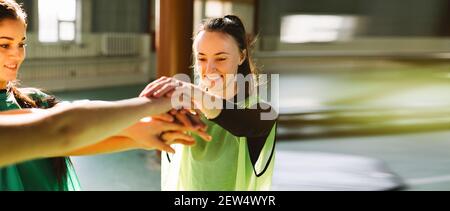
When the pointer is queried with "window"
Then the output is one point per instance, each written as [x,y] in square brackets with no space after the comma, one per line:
[214,9]
[204,9]
[317,28]
[57,20]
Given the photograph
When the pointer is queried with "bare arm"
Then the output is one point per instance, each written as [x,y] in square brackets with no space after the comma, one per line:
[70,127]
[143,135]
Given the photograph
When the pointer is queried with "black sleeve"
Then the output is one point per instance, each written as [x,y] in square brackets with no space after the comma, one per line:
[248,123]
[245,122]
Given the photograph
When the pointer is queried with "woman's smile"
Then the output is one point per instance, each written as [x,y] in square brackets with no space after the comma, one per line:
[11,67]
[213,80]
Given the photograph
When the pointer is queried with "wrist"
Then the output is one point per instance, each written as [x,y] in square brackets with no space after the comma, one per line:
[125,133]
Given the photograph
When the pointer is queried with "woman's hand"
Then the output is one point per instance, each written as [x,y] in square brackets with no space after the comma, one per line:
[210,105]
[165,86]
[157,133]
[189,119]
[153,133]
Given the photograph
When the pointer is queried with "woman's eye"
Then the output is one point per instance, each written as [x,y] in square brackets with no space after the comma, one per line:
[22,45]
[201,59]
[221,59]
[4,45]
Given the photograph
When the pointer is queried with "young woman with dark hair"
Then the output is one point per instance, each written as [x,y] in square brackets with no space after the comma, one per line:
[241,153]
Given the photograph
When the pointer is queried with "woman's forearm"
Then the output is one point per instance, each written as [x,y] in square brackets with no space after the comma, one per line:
[70,127]
[113,118]
[110,145]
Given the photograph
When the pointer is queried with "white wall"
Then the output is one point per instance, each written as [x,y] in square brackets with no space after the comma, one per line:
[87,64]
[91,61]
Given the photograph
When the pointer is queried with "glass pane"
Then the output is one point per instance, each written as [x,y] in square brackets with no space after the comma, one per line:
[317,28]
[50,13]
[48,22]
[214,9]
[67,31]
[67,10]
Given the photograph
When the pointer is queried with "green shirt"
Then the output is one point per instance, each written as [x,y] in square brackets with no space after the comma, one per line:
[34,175]
[224,164]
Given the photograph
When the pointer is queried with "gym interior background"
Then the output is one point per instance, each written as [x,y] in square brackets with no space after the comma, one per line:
[363,94]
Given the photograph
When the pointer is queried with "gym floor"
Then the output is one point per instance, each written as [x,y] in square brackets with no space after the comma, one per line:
[405,138]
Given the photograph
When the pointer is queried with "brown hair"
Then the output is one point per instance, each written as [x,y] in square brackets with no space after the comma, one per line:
[10,9]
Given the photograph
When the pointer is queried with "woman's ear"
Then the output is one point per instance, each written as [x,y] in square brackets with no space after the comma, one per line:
[243,57]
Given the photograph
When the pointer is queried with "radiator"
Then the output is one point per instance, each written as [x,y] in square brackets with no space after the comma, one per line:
[70,74]
[120,44]
[108,59]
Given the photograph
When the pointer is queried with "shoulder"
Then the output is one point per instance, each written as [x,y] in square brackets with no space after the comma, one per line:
[33,93]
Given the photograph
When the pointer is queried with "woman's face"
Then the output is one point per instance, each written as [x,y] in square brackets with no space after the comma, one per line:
[217,60]
[12,49]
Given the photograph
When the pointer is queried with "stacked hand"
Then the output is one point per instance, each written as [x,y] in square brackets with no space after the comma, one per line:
[159,132]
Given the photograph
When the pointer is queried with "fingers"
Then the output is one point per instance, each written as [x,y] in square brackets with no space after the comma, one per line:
[144,91]
[171,126]
[198,124]
[169,94]
[177,137]
[160,145]
[164,117]
[205,136]
[184,119]
[173,112]
[156,87]
[150,86]
[167,88]
[150,90]
[176,127]
[184,125]
[159,125]
[194,119]
[173,135]
[188,118]
[168,126]
[184,142]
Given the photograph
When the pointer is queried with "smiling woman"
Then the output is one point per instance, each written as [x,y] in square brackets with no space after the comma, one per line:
[12,43]
[241,154]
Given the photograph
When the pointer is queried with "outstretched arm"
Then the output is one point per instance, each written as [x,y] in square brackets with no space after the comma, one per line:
[62,129]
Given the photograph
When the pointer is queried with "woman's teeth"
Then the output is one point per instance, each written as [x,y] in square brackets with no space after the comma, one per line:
[11,66]
[213,77]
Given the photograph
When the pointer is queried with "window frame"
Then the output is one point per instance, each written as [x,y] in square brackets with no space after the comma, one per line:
[77,24]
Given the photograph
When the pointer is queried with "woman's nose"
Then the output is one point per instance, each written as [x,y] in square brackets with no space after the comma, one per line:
[15,53]
[210,68]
